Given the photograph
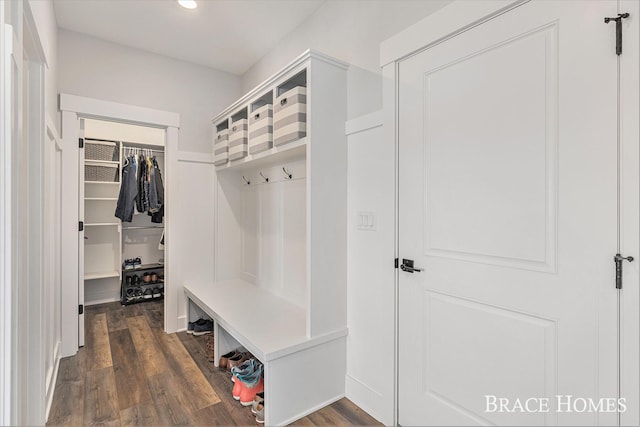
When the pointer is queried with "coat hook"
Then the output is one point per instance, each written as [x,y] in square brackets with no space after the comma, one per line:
[265,178]
[246,180]
[289,176]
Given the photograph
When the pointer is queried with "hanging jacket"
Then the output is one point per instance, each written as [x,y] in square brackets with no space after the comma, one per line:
[139,181]
[128,191]
[156,217]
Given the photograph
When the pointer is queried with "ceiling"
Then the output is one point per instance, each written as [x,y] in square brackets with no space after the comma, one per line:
[229,35]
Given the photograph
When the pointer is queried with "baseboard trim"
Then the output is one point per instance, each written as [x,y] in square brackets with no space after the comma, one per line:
[182,321]
[366,398]
[51,386]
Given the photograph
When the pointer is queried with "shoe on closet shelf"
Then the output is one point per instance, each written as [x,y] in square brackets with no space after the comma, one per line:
[237,360]
[154,277]
[127,264]
[204,328]
[210,346]
[224,359]
[156,292]
[146,278]
[260,413]
[148,293]
[137,262]
[258,400]
[238,386]
[247,393]
[247,367]
[191,325]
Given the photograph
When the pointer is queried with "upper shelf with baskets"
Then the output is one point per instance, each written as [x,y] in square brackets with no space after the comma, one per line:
[101,161]
[270,123]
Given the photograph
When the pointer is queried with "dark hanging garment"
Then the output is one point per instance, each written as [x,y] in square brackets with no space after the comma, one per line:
[159,184]
[139,181]
[156,217]
[128,191]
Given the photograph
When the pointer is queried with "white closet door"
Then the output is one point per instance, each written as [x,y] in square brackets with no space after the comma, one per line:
[507,200]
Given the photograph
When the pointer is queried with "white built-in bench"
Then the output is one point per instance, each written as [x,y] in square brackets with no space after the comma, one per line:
[302,375]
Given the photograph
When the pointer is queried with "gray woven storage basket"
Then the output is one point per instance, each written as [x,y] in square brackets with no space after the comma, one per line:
[102,173]
[101,150]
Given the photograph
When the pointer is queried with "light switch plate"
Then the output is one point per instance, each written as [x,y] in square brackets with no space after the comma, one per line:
[366,221]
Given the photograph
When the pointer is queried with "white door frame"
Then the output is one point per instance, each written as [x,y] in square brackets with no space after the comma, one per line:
[73,108]
[6,48]
[458,17]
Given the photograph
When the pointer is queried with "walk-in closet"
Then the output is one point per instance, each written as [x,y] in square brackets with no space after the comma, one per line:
[122,212]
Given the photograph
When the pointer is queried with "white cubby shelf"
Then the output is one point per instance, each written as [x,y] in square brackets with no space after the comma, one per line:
[279,288]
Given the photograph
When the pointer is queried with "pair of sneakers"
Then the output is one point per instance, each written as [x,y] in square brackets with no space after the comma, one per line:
[130,264]
[257,408]
[200,327]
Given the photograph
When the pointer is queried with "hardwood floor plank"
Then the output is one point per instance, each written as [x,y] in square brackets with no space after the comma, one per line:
[96,309]
[302,422]
[116,319]
[197,352]
[133,310]
[197,389]
[73,368]
[98,344]
[131,381]
[327,417]
[101,398]
[171,405]
[155,316]
[352,413]
[140,415]
[147,347]
[213,415]
[67,407]
[219,379]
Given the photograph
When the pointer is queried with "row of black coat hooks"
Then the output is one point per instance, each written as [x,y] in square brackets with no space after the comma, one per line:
[287,175]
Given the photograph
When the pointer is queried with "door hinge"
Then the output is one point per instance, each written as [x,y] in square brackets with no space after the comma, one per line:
[80,309]
[81,142]
[396,263]
[80,225]
[618,260]
[618,22]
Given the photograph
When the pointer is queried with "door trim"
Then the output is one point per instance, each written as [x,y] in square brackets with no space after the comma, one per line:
[630,212]
[74,107]
[447,22]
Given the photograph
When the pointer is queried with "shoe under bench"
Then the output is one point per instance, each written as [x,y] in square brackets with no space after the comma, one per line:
[301,374]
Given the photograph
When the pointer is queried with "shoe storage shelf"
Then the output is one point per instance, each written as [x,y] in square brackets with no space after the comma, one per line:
[280,225]
[138,284]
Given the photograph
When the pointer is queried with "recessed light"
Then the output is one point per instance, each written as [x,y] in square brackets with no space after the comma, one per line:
[188,4]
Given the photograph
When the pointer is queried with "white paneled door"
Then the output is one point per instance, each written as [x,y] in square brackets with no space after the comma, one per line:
[507,201]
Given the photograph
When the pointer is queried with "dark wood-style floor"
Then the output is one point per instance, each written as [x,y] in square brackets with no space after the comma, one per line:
[131,373]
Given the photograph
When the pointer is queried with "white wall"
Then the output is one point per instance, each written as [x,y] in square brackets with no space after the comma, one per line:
[103,70]
[370,253]
[350,30]
[45,20]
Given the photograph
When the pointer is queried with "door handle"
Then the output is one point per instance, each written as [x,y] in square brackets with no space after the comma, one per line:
[407,265]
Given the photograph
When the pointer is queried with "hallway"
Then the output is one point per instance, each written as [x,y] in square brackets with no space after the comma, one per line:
[131,373]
